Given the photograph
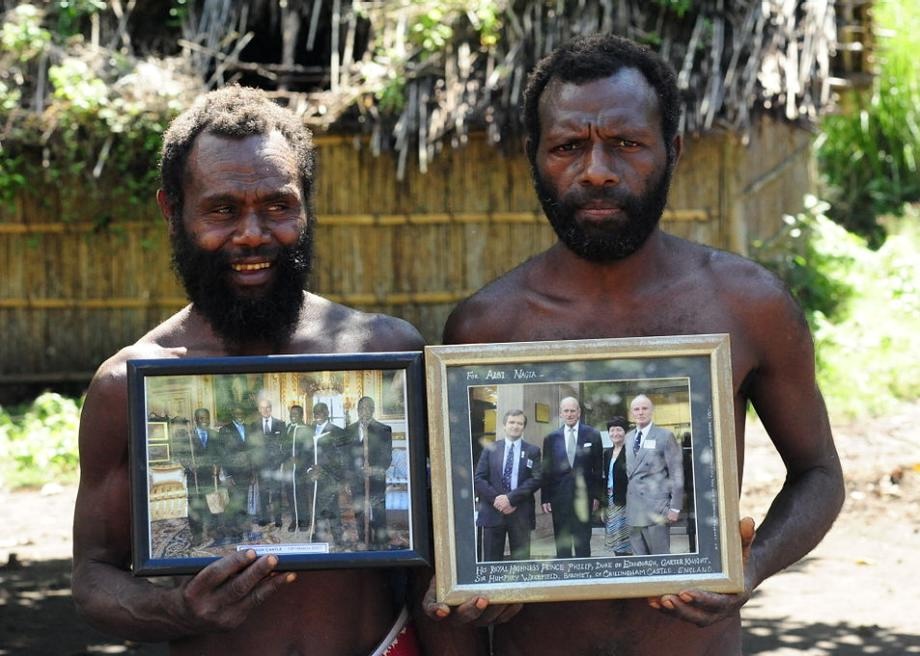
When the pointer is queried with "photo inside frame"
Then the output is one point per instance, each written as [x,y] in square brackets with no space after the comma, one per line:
[315,466]
[531,442]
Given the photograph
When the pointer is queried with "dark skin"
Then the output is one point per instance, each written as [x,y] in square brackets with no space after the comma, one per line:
[607,132]
[238,192]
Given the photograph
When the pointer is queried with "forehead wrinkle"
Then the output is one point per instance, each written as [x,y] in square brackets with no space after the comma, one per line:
[625,98]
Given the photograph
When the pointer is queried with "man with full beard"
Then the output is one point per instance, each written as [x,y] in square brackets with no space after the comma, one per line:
[237,183]
[602,120]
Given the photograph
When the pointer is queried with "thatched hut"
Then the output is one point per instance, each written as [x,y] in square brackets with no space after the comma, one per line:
[423,190]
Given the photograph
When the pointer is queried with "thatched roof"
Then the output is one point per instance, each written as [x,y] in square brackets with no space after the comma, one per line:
[734,59]
[419,75]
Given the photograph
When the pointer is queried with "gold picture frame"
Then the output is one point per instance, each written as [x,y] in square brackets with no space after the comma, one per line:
[689,376]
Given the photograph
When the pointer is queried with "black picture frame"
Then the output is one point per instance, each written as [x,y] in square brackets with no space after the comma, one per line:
[471,387]
[181,523]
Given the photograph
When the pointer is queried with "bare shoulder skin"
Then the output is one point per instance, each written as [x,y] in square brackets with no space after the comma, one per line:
[694,290]
[238,604]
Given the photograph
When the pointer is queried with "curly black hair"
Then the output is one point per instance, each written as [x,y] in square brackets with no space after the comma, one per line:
[588,58]
[233,111]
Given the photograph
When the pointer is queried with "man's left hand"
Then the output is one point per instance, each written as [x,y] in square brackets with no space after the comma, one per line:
[704,608]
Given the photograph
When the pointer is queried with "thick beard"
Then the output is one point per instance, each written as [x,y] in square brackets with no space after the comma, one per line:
[608,241]
[270,315]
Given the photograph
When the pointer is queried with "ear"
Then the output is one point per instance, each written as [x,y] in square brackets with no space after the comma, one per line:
[166,209]
[678,145]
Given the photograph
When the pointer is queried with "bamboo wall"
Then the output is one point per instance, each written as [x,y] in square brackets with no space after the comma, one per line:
[75,288]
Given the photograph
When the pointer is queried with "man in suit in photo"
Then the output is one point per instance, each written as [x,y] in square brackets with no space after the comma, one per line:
[507,476]
[572,480]
[324,463]
[298,438]
[197,452]
[655,494]
[234,447]
[268,459]
[370,452]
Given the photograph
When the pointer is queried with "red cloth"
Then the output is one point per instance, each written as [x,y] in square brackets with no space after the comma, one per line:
[405,644]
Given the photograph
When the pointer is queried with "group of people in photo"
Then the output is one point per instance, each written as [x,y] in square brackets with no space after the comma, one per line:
[253,476]
[637,484]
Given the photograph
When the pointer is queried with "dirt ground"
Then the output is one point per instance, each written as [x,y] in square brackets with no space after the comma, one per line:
[857,593]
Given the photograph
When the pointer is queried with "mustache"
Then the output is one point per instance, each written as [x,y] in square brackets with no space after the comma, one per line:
[581,196]
[225,258]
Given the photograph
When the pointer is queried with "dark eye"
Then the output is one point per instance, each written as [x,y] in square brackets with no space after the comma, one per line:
[625,143]
[222,211]
[566,147]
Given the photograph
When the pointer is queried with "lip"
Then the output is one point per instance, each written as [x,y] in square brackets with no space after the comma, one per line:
[597,212]
[252,272]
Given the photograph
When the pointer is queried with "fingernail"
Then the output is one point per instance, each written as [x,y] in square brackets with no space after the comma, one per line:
[273,560]
[290,578]
[441,613]
[481,603]
[667,603]
[250,554]
[654,604]
[686,597]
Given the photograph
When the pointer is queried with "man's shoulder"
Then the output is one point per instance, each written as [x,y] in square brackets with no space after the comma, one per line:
[332,327]
[465,323]
[730,273]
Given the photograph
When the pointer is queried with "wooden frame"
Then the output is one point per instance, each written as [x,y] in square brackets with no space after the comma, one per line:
[693,371]
[200,492]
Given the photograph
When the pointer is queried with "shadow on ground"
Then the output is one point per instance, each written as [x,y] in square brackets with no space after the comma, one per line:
[37,616]
[841,639]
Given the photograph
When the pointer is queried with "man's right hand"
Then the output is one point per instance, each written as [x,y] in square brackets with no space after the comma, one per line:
[221,596]
[547,507]
[476,611]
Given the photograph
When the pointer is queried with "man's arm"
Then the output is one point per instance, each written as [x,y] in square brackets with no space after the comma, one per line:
[784,392]
[105,592]
[674,459]
[547,475]
[484,488]
[532,483]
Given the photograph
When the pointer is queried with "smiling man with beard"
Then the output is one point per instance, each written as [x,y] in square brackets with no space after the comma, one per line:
[602,120]
[237,184]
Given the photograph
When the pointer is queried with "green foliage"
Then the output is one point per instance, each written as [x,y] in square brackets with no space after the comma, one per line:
[814,256]
[22,34]
[38,444]
[679,7]
[863,306]
[71,12]
[102,112]
[870,154]
[430,29]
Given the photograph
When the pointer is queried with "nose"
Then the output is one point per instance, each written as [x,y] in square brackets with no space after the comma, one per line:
[250,230]
[600,166]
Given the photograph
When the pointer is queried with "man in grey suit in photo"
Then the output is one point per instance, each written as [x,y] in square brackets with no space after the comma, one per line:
[572,480]
[507,476]
[655,494]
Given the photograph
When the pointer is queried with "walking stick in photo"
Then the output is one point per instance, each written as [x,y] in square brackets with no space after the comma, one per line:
[191,450]
[367,495]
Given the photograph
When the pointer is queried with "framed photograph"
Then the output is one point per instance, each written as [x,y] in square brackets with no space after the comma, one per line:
[639,498]
[541,413]
[289,455]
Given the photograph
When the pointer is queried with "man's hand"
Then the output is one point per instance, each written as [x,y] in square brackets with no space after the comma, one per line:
[704,608]
[220,596]
[476,611]
[672,516]
[501,503]
[547,507]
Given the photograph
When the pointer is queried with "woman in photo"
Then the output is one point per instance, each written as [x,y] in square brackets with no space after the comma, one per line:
[617,535]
